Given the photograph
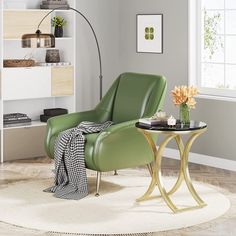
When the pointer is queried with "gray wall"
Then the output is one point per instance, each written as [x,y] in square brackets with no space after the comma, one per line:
[104,17]
[116,24]
[173,62]
[219,141]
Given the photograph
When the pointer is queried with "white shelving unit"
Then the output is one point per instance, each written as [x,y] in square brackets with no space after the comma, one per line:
[30,90]
[1,67]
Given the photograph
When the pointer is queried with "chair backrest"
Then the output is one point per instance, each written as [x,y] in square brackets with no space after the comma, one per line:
[137,95]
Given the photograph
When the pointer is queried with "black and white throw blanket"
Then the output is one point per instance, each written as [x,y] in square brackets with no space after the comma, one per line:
[70,173]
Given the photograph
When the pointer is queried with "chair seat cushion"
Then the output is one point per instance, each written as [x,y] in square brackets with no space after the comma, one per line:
[125,148]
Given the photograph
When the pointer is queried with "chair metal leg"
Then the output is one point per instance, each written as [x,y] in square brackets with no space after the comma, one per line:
[149,166]
[99,174]
[115,172]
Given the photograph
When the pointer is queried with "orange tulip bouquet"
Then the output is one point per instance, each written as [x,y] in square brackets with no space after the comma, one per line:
[183,97]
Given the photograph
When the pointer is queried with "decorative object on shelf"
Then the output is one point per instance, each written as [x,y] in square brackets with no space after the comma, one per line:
[51,4]
[150,33]
[40,40]
[183,97]
[52,56]
[55,111]
[48,113]
[15,118]
[58,22]
[18,62]
[171,121]
[58,31]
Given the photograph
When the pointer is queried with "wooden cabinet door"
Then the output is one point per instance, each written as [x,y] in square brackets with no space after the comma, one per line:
[62,81]
[17,23]
[21,143]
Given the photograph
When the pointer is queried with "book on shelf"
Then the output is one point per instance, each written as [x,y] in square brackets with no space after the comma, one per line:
[14,118]
[7,122]
[14,115]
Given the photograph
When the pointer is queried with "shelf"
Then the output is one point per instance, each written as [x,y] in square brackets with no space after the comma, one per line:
[20,126]
[7,10]
[32,67]
[35,88]
[70,11]
[62,38]
[46,10]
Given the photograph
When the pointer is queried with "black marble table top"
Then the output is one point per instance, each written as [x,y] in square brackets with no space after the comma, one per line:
[193,125]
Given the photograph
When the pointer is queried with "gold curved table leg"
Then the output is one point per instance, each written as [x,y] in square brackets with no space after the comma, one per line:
[157,176]
[180,179]
[186,170]
[154,169]
[160,183]
[183,173]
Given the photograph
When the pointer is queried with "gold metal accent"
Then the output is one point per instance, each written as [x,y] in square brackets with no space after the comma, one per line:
[155,168]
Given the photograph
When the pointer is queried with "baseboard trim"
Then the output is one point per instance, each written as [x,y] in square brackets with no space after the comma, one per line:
[203,159]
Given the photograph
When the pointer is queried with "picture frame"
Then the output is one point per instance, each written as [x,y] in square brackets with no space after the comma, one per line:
[149,33]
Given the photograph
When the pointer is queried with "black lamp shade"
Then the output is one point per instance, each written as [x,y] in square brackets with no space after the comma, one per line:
[38,40]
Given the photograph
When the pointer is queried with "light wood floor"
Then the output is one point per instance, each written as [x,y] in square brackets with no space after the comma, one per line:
[223,226]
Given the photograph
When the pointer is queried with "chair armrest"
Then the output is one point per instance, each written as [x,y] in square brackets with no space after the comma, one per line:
[121,146]
[57,124]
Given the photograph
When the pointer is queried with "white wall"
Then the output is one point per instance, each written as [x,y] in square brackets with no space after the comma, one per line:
[115,21]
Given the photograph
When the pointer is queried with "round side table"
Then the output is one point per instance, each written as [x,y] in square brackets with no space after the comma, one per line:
[194,129]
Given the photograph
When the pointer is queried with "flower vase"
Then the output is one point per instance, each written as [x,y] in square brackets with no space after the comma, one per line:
[184,114]
[58,33]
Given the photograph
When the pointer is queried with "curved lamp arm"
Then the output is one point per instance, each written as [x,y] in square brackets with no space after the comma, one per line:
[94,34]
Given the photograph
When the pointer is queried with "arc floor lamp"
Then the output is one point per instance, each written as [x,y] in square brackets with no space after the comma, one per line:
[42,40]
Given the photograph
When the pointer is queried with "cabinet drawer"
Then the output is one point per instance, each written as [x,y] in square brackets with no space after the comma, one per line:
[21,143]
[17,23]
[62,81]
[24,83]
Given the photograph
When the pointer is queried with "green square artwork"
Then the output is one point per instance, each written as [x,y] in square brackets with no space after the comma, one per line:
[149,33]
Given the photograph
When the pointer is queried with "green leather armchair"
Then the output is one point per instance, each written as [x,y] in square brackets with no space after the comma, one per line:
[130,97]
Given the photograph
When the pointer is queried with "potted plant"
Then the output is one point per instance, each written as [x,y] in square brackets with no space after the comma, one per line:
[58,22]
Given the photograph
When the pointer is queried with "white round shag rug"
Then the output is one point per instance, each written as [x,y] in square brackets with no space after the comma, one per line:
[114,212]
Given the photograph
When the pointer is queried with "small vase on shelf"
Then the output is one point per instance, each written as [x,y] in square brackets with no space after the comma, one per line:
[58,22]
[52,56]
[58,33]
[184,115]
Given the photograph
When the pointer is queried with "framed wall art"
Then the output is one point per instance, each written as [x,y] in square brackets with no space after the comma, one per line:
[150,33]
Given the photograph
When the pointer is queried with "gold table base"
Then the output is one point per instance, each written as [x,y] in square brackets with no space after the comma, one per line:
[155,168]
